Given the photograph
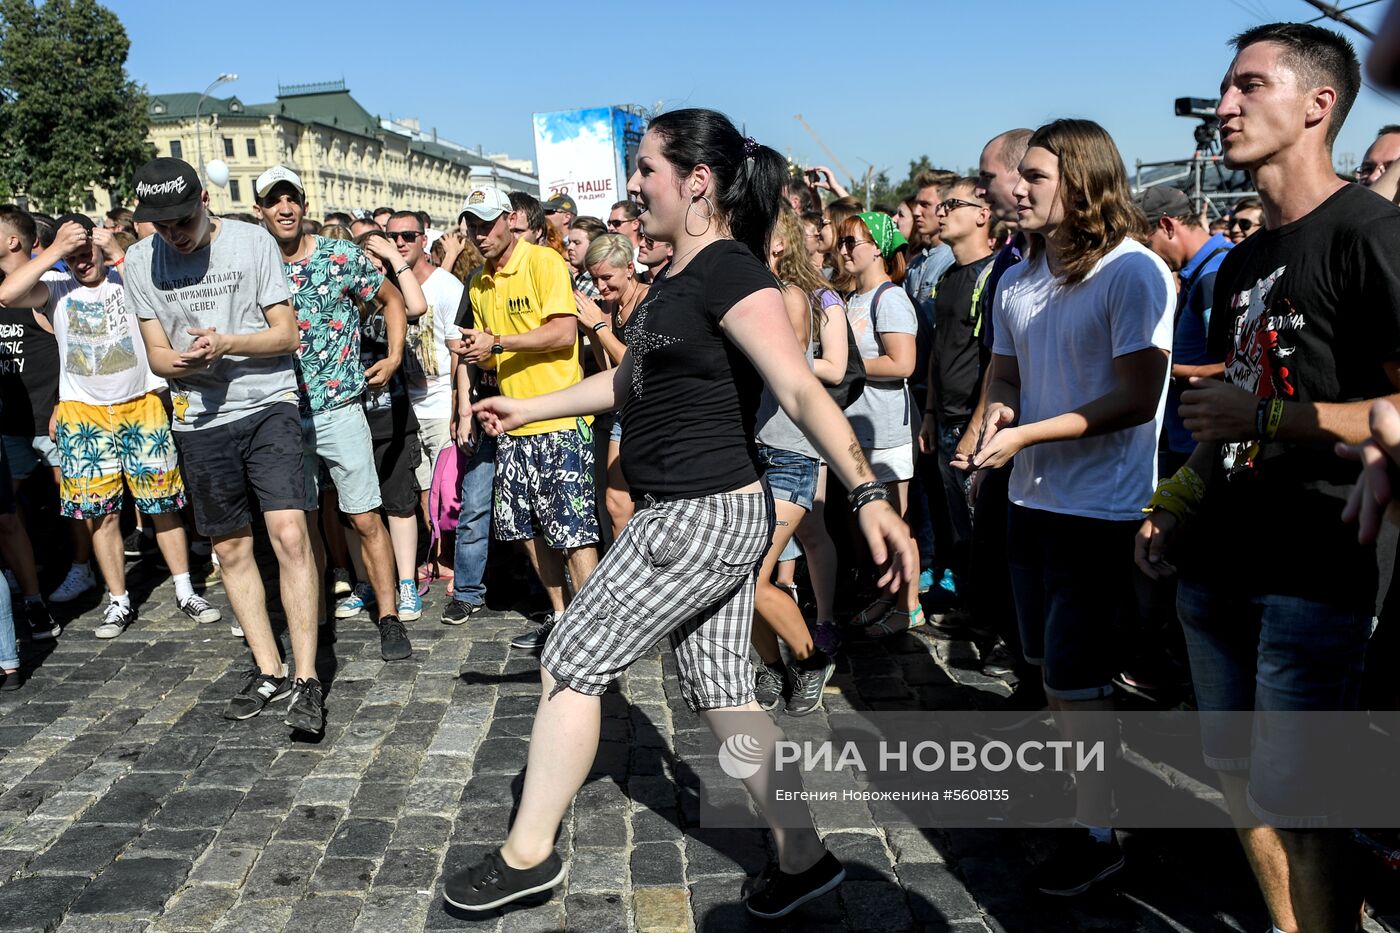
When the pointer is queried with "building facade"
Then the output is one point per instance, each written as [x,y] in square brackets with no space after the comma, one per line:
[346,157]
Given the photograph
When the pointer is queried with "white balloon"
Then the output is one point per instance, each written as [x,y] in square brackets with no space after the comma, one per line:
[217,172]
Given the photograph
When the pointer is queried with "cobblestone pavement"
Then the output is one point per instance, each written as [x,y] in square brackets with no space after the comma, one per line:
[128,804]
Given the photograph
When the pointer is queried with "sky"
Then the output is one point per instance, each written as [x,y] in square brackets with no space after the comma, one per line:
[882,82]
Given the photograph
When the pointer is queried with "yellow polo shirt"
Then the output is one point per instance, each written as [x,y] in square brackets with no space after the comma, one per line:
[533,287]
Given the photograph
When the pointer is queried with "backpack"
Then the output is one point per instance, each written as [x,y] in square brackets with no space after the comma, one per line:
[852,382]
[444,497]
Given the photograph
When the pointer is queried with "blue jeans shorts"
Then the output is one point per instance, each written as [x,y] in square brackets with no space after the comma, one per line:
[341,438]
[791,476]
[26,454]
[1279,654]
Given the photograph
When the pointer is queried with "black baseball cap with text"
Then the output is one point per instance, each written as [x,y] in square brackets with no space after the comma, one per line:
[166,189]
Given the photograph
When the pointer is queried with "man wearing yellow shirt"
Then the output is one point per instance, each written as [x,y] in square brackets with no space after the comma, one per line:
[523,303]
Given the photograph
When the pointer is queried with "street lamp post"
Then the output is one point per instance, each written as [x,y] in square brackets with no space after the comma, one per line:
[224,78]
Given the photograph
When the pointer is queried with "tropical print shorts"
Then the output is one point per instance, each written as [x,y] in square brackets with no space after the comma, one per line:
[544,489]
[100,446]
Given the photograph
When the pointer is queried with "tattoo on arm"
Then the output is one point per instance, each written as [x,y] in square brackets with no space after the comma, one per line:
[861,465]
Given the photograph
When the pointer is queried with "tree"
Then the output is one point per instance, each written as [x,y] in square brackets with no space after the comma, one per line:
[69,115]
[883,192]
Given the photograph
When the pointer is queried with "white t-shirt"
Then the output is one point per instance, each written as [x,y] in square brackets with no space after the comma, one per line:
[883,416]
[432,397]
[1065,339]
[99,343]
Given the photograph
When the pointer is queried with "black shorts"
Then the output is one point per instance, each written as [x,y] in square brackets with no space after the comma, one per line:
[7,491]
[262,451]
[396,459]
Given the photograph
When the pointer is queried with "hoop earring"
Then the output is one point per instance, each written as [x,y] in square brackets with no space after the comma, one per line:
[708,218]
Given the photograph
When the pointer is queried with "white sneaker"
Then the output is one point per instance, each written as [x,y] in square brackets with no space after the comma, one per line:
[78,582]
[198,609]
[236,629]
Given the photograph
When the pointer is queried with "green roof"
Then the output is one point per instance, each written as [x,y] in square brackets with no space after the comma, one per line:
[163,108]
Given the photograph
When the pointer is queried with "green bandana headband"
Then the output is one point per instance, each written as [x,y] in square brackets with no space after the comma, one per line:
[883,231]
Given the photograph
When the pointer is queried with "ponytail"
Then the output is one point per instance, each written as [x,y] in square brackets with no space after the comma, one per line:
[749,177]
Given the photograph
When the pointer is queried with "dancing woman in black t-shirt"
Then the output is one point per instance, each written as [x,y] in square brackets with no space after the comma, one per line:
[700,346]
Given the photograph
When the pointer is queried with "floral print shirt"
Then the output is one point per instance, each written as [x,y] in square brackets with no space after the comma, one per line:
[325,287]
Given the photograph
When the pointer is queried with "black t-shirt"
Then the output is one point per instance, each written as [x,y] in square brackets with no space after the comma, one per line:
[957,358]
[688,415]
[28,373]
[486,384]
[388,409]
[1309,312]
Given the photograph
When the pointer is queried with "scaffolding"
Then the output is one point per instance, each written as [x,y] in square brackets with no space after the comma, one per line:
[1207,195]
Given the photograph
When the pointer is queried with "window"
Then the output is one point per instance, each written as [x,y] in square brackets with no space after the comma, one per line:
[228,147]
[234,195]
[252,148]
[175,150]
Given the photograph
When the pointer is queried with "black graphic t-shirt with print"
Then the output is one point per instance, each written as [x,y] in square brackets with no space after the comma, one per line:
[689,411]
[29,368]
[387,408]
[1309,312]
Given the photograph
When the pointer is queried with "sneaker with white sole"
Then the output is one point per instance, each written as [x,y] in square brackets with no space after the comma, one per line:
[42,627]
[235,629]
[199,609]
[78,582]
[360,599]
[778,893]
[410,603]
[490,883]
[116,618]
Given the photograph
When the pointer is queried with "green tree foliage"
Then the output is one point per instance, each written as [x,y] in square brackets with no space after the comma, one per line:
[69,115]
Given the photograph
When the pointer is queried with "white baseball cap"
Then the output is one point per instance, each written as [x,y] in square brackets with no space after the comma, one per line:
[278,173]
[486,203]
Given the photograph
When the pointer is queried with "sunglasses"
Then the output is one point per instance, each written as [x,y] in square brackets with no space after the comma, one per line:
[849,243]
[949,205]
[617,224]
[1244,223]
[408,236]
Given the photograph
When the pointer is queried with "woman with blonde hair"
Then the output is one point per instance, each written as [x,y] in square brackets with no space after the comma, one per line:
[609,262]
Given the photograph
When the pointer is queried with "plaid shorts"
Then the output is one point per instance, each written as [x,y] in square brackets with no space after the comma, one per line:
[684,569]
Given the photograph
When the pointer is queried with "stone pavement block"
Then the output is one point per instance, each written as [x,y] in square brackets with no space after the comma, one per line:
[391,763]
[360,838]
[392,911]
[480,824]
[409,868]
[227,866]
[656,863]
[233,767]
[599,913]
[661,910]
[342,874]
[489,790]
[184,844]
[911,844]
[34,834]
[593,869]
[309,824]
[378,801]
[294,762]
[327,792]
[863,854]
[204,807]
[176,753]
[63,806]
[37,903]
[270,794]
[85,849]
[88,923]
[249,829]
[320,913]
[437,798]
[283,870]
[453,768]
[268,915]
[936,895]
[25,797]
[547,917]
[196,907]
[716,907]
[138,887]
[651,826]
[600,823]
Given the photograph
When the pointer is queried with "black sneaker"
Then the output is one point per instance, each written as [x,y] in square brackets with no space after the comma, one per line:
[998,662]
[139,544]
[307,711]
[393,639]
[258,690]
[1081,865]
[778,894]
[42,627]
[116,618]
[808,679]
[534,641]
[491,882]
[768,683]
[198,609]
[458,611]
[10,680]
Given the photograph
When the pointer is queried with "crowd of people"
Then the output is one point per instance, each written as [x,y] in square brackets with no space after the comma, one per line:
[1093,428]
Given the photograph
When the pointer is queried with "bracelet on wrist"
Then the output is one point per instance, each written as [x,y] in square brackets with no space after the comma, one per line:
[402,269]
[1261,417]
[599,326]
[1273,419]
[120,259]
[866,493]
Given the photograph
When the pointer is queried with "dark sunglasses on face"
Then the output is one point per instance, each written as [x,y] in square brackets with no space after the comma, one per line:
[849,243]
[617,224]
[1244,223]
[408,236]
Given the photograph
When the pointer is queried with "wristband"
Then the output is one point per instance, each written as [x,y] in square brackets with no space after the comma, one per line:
[599,326]
[1261,417]
[1274,419]
[119,261]
[1180,494]
[401,271]
[866,493]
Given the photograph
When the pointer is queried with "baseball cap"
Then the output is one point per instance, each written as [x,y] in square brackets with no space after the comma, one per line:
[1163,201]
[485,203]
[166,189]
[561,202]
[276,175]
[81,220]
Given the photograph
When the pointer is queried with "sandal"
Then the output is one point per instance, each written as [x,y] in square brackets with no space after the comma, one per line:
[872,613]
[896,621]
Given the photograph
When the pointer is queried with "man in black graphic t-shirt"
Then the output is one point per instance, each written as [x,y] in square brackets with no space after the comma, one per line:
[1276,596]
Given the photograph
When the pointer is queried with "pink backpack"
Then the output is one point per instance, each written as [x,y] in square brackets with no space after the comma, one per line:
[444,499]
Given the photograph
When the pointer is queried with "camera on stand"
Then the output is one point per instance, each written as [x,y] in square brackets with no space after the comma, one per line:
[1203,109]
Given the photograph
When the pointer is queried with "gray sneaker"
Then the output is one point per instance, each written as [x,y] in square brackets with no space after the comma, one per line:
[808,679]
[768,684]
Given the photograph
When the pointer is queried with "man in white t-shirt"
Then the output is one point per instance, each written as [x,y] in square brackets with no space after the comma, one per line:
[1083,339]
[110,424]
[431,397]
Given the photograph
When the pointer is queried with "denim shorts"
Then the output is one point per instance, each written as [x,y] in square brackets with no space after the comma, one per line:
[544,489]
[1071,578]
[28,453]
[791,476]
[615,432]
[1279,654]
[341,438]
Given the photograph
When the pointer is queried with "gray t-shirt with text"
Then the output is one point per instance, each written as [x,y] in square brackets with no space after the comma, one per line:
[226,286]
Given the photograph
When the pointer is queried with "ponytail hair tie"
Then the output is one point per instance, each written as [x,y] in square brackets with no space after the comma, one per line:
[750,146]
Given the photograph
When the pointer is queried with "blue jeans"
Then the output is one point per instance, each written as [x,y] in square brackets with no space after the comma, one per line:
[9,651]
[1272,654]
[474,524]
